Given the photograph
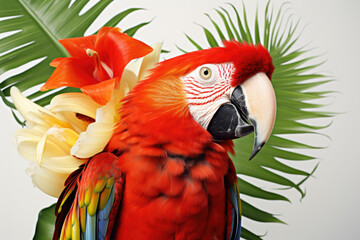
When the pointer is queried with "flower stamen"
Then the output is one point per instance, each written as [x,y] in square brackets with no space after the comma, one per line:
[91,52]
[102,72]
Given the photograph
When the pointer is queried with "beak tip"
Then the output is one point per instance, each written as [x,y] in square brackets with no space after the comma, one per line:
[256,149]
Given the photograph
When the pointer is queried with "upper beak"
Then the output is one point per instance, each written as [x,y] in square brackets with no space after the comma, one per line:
[252,108]
[255,98]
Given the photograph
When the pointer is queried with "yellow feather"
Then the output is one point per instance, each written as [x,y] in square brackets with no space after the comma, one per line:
[81,199]
[76,229]
[100,185]
[82,218]
[68,228]
[110,182]
[88,195]
[93,204]
[104,197]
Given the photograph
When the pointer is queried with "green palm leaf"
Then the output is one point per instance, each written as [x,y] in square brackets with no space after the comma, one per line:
[33,28]
[45,225]
[292,83]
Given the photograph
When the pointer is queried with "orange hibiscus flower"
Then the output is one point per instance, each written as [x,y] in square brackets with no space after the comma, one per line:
[96,63]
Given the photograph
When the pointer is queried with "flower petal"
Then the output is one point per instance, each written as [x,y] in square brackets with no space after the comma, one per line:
[49,182]
[56,62]
[27,143]
[76,47]
[117,49]
[40,148]
[28,147]
[129,79]
[74,102]
[36,116]
[71,72]
[78,124]
[98,133]
[138,69]
[24,105]
[150,61]
[64,164]
[100,92]
[93,140]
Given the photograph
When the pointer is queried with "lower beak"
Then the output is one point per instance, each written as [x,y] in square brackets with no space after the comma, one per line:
[252,108]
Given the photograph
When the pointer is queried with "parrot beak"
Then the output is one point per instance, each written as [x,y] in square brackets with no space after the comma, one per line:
[255,98]
[252,108]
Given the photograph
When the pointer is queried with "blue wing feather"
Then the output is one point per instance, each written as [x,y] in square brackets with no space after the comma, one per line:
[93,195]
[90,228]
[236,212]
[103,216]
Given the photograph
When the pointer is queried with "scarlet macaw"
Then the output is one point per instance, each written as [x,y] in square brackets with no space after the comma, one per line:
[166,173]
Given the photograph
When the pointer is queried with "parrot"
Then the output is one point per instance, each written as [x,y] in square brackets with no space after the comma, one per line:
[166,171]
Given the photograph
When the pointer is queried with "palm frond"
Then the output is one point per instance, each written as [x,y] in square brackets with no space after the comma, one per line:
[32,30]
[292,80]
[45,225]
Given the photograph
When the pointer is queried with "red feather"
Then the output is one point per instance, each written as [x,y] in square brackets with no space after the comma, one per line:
[248,60]
[175,177]
[175,173]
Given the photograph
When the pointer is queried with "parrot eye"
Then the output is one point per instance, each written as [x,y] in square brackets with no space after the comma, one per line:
[205,73]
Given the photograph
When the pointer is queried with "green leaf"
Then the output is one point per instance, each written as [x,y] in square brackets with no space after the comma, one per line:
[193,42]
[131,31]
[45,225]
[248,32]
[294,77]
[246,234]
[221,35]
[116,19]
[238,38]
[256,214]
[210,38]
[226,24]
[257,31]
[34,28]
[254,191]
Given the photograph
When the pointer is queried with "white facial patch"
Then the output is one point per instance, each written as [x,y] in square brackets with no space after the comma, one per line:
[207,88]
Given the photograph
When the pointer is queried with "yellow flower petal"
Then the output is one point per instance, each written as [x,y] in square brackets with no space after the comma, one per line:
[65,164]
[97,134]
[40,149]
[31,112]
[22,104]
[138,69]
[150,61]
[74,102]
[26,134]
[77,124]
[129,78]
[52,120]
[64,135]
[27,149]
[49,182]
[93,140]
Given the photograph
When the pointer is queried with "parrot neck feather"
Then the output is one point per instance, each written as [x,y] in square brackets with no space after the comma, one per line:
[158,109]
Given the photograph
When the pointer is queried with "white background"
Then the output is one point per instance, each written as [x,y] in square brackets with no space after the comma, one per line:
[331,208]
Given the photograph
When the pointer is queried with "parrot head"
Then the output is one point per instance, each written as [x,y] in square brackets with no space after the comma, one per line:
[227,90]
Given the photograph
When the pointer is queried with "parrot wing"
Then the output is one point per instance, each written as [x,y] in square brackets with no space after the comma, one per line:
[88,206]
[235,211]
[233,223]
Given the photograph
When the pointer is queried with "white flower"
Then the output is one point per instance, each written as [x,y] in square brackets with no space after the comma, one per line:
[74,128]
[49,136]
